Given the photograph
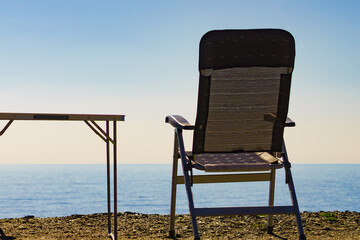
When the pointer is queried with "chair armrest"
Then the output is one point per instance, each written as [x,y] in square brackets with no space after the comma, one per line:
[178,121]
[270,117]
[289,122]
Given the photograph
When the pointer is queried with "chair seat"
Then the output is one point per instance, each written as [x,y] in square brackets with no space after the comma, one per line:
[236,162]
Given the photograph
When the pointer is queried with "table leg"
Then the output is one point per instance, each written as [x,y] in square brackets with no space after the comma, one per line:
[115,180]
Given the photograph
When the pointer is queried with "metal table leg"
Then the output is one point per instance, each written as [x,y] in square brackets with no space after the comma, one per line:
[105,135]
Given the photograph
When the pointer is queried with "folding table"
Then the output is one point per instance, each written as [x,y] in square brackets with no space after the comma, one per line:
[91,120]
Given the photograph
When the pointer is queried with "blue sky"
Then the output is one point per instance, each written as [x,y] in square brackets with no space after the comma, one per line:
[139,58]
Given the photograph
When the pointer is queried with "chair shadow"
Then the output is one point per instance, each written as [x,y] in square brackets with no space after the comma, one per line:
[277,236]
[4,237]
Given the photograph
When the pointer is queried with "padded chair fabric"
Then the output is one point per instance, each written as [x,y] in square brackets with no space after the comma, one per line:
[239,99]
[236,162]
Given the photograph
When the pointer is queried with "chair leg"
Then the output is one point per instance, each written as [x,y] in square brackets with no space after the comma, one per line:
[295,204]
[187,184]
[173,187]
[270,226]
[291,186]
[191,204]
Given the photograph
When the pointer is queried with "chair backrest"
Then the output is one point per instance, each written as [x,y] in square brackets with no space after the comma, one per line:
[244,75]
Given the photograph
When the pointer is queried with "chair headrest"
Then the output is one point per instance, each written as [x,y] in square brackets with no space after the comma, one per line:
[246,48]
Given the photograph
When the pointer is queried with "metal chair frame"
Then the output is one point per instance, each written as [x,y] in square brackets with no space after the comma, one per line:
[270,210]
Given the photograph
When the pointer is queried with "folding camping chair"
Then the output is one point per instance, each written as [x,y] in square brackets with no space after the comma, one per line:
[242,110]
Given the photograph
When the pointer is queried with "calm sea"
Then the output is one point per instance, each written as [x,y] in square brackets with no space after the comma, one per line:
[61,190]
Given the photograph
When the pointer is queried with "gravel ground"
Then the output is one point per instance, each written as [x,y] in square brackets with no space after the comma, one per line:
[317,225]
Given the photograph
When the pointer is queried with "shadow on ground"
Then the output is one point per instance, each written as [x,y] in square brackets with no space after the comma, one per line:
[4,237]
